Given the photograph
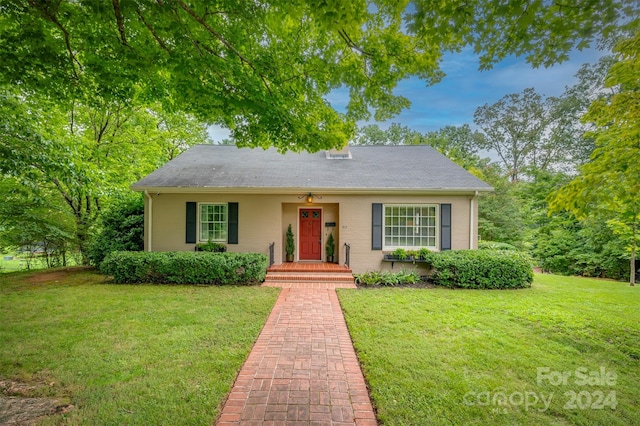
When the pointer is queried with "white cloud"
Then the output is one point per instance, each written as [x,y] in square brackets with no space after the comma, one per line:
[217,133]
[454,100]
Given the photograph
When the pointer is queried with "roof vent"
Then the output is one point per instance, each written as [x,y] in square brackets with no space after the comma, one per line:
[339,154]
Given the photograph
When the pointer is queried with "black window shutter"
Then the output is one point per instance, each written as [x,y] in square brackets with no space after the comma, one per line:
[191,223]
[376,226]
[445,227]
[232,223]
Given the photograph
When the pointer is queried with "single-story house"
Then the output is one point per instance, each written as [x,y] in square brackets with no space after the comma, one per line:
[373,199]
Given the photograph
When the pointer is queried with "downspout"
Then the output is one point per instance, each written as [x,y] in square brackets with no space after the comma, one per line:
[150,217]
[471,216]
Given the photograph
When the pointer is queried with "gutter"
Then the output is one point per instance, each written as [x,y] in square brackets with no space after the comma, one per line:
[150,219]
[471,216]
[267,190]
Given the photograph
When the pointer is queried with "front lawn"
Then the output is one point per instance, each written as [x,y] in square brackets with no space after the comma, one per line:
[566,351]
[127,354]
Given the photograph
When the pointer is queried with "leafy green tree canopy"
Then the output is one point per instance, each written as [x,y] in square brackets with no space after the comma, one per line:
[609,184]
[460,144]
[264,69]
[83,153]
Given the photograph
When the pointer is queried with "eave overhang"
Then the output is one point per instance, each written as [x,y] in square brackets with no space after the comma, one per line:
[319,190]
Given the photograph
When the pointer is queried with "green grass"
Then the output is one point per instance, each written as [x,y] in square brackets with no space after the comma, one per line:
[19,262]
[14,264]
[126,354]
[433,357]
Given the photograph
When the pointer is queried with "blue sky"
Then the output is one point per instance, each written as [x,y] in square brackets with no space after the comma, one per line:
[454,100]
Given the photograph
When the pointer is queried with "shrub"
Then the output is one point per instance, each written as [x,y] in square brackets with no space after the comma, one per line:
[493,245]
[386,278]
[290,247]
[483,269]
[330,246]
[122,229]
[185,267]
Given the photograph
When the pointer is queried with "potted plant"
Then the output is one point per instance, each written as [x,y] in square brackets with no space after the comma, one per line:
[412,255]
[424,253]
[397,254]
[400,253]
[330,248]
[211,246]
[290,246]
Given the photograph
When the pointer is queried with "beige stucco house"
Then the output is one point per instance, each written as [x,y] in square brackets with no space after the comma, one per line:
[372,198]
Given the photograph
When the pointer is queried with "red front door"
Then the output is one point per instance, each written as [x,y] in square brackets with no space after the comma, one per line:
[310,235]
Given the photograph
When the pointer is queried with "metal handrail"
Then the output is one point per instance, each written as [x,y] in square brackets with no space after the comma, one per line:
[272,259]
[347,253]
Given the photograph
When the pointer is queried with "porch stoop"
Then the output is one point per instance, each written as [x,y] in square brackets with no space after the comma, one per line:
[309,275]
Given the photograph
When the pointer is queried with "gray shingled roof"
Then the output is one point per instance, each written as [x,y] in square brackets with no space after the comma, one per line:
[419,168]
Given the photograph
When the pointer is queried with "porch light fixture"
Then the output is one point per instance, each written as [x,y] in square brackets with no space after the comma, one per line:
[309,197]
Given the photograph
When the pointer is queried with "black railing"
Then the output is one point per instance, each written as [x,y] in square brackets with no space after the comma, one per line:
[347,253]
[272,248]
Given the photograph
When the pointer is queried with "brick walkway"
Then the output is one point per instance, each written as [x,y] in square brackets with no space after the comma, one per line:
[302,370]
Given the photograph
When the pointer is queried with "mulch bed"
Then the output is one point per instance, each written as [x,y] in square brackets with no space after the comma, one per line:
[421,284]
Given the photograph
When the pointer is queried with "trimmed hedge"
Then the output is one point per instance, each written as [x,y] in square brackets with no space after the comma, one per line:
[185,267]
[482,269]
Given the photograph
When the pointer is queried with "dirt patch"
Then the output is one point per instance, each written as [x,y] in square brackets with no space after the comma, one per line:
[17,407]
[15,410]
[11,388]
[57,275]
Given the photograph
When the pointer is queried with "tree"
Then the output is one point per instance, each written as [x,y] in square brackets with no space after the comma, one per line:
[176,132]
[395,134]
[34,224]
[514,128]
[609,184]
[499,215]
[86,150]
[459,144]
[265,69]
[531,133]
[567,131]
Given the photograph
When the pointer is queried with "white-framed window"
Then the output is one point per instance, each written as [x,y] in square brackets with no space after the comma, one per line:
[410,226]
[213,222]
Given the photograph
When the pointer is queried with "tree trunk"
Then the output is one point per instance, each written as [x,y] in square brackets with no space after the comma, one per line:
[82,237]
[632,278]
[632,275]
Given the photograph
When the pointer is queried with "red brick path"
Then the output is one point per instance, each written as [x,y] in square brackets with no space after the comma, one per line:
[303,368]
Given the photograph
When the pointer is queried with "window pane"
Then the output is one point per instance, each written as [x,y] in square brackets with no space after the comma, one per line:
[410,226]
[213,222]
